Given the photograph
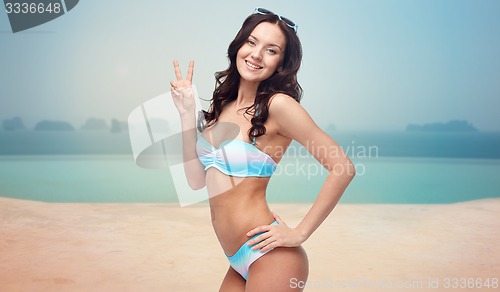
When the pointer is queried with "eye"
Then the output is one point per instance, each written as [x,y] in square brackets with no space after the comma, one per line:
[272,51]
[251,42]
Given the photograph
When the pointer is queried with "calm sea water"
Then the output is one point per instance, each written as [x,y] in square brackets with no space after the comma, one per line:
[392,167]
[116,178]
[400,144]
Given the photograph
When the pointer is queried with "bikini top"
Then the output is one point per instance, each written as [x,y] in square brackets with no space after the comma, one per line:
[235,157]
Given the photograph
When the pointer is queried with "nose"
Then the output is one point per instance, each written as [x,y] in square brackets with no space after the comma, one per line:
[256,54]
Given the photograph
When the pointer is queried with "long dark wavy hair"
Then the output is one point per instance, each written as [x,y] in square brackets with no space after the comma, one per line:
[228,81]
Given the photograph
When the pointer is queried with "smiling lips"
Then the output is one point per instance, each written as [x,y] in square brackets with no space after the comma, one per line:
[252,65]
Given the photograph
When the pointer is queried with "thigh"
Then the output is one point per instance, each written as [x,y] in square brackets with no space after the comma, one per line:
[279,270]
[232,282]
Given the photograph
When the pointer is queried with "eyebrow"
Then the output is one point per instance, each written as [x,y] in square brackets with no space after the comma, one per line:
[273,45]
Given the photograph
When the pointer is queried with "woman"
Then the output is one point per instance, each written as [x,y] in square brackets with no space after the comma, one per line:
[258,95]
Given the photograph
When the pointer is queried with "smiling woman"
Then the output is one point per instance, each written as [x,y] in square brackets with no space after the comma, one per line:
[252,67]
[259,96]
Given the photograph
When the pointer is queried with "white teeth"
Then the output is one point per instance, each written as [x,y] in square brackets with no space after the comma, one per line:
[252,65]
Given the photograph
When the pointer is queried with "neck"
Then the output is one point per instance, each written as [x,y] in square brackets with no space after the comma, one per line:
[246,93]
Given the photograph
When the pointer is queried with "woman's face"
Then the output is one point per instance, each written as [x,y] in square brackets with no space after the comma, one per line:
[262,53]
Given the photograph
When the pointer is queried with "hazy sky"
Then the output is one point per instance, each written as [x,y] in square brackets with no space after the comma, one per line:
[367,64]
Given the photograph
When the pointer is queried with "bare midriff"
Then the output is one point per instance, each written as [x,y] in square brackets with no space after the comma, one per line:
[238,209]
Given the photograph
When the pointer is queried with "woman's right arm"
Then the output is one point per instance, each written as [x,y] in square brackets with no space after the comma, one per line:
[183,98]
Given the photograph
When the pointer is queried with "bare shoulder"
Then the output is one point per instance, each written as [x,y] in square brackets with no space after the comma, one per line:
[282,102]
[284,108]
[289,116]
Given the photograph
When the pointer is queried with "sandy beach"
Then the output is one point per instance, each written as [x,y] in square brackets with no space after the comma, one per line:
[162,247]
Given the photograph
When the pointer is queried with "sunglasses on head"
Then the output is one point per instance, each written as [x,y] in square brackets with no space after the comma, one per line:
[287,21]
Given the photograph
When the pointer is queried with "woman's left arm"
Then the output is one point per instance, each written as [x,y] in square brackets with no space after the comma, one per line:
[294,122]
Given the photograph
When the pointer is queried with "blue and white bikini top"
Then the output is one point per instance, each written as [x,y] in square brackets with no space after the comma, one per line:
[235,158]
